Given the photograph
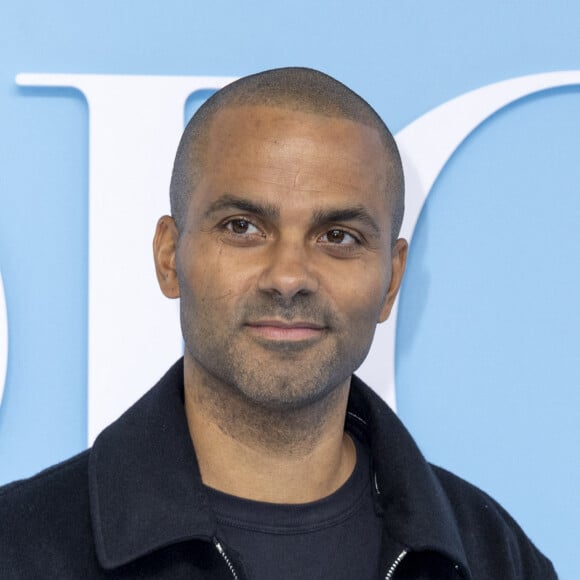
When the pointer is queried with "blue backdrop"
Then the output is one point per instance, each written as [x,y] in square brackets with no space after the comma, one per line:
[487,369]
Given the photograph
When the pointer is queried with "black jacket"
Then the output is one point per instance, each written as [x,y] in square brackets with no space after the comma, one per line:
[133,506]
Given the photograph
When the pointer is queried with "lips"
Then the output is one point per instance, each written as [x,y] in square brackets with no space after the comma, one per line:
[283,330]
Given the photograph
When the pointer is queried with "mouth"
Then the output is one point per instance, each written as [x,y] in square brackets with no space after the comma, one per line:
[285,331]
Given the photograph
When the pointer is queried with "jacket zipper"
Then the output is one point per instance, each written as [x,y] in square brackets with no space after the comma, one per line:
[226,559]
[395,565]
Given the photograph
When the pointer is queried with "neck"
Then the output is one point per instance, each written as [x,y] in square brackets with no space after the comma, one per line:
[272,455]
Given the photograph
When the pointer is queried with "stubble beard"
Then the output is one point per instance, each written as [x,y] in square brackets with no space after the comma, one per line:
[273,392]
[282,375]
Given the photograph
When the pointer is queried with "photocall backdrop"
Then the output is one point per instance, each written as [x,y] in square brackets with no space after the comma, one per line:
[481,355]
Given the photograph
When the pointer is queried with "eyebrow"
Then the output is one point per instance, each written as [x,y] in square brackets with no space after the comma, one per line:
[269,211]
[229,201]
[355,213]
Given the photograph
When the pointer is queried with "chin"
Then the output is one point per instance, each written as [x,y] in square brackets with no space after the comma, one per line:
[287,394]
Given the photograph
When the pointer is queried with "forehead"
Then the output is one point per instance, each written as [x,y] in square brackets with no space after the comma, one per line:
[240,126]
[268,151]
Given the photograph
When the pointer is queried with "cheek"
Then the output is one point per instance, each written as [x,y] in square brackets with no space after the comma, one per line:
[361,295]
[214,277]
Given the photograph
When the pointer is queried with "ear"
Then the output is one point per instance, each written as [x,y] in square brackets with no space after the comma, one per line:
[398,263]
[164,248]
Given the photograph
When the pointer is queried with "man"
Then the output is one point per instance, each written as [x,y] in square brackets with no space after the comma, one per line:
[260,455]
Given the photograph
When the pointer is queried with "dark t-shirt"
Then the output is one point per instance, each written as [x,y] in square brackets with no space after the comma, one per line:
[336,537]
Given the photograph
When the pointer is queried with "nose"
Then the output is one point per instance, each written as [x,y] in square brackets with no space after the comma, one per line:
[288,271]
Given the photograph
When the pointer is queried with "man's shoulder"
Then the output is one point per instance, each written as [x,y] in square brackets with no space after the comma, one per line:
[489,533]
[474,509]
[46,485]
[43,515]
[437,510]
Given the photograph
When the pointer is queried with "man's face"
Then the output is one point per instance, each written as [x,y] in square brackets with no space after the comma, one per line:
[285,263]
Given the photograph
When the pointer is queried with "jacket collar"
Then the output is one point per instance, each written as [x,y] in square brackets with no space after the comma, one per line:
[146,491]
[144,482]
[416,509]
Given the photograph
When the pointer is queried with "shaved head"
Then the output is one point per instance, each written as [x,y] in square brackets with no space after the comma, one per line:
[295,89]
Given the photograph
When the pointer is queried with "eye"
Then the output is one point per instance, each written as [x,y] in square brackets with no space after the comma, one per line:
[339,238]
[241,227]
